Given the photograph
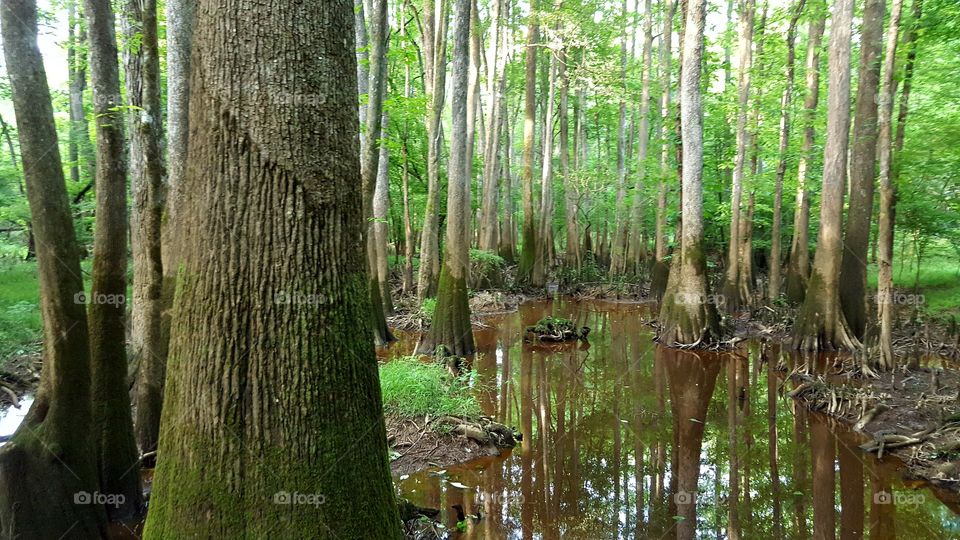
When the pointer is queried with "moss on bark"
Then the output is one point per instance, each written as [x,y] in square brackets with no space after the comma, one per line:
[820,324]
[451,321]
[688,314]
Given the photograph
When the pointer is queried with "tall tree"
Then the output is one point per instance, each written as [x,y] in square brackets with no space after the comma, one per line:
[381,210]
[618,255]
[545,232]
[81,151]
[370,156]
[496,86]
[687,314]
[887,193]
[863,155]
[820,324]
[637,249]
[451,320]
[61,415]
[798,266]
[146,171]
[117,454]
[661,269]
[786,101]
[295,316]
[528,255]
[574,257]
[433,32]
[731,289]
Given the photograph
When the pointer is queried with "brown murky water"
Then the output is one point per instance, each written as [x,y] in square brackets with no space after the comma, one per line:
[625,439]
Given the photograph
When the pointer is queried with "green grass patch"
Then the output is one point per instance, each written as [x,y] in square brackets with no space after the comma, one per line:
[414,388]
[21,327]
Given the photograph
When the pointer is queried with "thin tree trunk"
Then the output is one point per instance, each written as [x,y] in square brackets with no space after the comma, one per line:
[433,33]
[146,163]
[295,314]
[820,324]
[489,233]
[574,258]
[408,237]
[731,290]
[863,170]
[618,256]
[661,269]
[451,322]
[637,243]
[545,255]
[798,267]
[61,415]
[888,90]
[381,209]
[786,100]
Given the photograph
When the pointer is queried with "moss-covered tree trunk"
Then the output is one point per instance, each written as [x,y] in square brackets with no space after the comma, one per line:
[146,164]
[786,100]
[50,459]
[451,319]
[885,307]
[119,462]
[820,324]
[863,170]
[688,315]
[798,265]
[272,423]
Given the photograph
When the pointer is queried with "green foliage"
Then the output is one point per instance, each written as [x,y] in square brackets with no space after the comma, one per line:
[414,388]
[20,324]
[428,307]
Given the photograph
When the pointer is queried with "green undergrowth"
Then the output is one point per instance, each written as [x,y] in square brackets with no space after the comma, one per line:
[411,387]
[938,281]
[21,328]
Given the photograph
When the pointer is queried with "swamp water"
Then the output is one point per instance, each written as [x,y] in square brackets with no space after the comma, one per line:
[626,439]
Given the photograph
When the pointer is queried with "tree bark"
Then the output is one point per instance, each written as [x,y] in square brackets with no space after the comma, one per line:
[731,289]
[786,100]
[113,427]
[661,269]
[798,266]
[885,307]
[433,33]
[496,85]
[146,163]
[574,257]
[381,210]
[820,324]
[529,248]
[61,415]
[545,233]
[451,321]
[853,267]
[638,248]
[687,314]
[294,314]
[618,256]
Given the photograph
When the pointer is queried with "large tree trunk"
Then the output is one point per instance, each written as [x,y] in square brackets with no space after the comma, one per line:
[545,233]
[370,156]
[113,426]
[528,255]
[820,324]
[786,99]
[798,267]
[146,170]
[853,267]
[38,494]
[885,306]
[687,314]
[434,46]
[731,290]
[295,314]
[451,321]
[637,250]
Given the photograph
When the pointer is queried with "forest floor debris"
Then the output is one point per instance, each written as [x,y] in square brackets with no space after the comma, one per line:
[910,413]
[417,443]
[555,330]
[613,291]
